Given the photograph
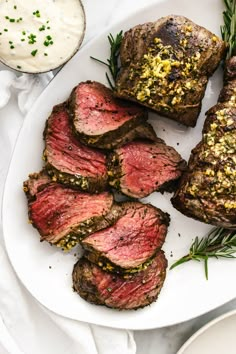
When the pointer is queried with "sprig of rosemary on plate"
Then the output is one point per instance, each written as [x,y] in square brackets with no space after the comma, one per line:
[113,61]
[219,243]
[228,30]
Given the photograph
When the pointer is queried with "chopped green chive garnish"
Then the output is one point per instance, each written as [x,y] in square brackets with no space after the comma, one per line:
[13,19]
[12,47]
[18,67]
[36,13]
[24,33]
[48,41]
[22,39]
[15,7]
[32,38]
[42,28]
[10,42]
[34,52]
[45,54]
[5,30]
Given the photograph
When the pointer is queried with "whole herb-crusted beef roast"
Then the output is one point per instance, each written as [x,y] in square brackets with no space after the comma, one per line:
[63,216]
[139,168]
[165,66]
[129,244]
[101,120]
[207,191]
[127,292]
[67,160]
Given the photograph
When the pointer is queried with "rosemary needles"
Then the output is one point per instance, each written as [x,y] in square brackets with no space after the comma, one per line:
[219,243]
[113,61]
[228,30]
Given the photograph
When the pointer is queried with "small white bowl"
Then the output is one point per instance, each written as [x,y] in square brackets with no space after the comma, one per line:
[37,37]
[216,337]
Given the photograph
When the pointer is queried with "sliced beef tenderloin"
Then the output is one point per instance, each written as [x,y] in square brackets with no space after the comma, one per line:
[165,66]
[139,168]
[131,291]
[67,160]
[36,182]
[63,216]
[103,121]
[131,243]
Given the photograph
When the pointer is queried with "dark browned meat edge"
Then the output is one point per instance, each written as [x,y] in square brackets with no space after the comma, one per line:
[90,184]
[127,132]
[91,295]
[170,29]
[208,209]
[103,262]
[115,173]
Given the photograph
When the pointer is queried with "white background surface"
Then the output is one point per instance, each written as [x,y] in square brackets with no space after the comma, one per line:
[163,341]
[52,268]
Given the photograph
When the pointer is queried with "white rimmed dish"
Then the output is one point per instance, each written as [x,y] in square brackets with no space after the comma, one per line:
[216,337]
[46,271]
[38,36]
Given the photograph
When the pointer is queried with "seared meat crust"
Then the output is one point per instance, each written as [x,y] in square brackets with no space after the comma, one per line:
[63,216]
[165,66]
[131,243]
[208,188]
[68,161]
[139,168]
[131,291]
[101,120]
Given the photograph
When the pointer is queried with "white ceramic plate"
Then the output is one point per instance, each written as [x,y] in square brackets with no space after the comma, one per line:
[45,270]
[216,337]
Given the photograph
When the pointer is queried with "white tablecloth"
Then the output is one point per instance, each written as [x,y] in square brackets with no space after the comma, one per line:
[25,326]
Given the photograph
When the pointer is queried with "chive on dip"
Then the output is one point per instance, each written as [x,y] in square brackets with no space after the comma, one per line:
[38,36]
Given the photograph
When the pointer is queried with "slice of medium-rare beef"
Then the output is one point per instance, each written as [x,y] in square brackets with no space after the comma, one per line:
[67,160]
[139,168]
[36,182]
[130,244]
[63,216]
[102,120]
[165,66]
[207,190]
[131,291]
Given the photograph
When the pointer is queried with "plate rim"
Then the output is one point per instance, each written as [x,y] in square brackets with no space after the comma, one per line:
[117,325]
[205,328]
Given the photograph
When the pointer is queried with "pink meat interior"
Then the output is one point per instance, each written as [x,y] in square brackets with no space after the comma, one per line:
[66,153]
[98,112]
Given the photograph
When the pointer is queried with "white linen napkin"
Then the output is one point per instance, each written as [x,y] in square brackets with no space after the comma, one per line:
[25,326]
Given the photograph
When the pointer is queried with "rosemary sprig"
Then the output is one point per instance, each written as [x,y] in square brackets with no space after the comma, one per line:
[228,30]
[113,62]
[219,243]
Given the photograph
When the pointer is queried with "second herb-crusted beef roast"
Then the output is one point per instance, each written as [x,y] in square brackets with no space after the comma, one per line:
[165,66]
[131,291]
[207,190]
[104,121]
[63,216]
[129,244]
[67,160]
[139,168]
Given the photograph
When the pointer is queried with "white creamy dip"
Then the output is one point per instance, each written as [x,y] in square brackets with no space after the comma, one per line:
[39,35]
